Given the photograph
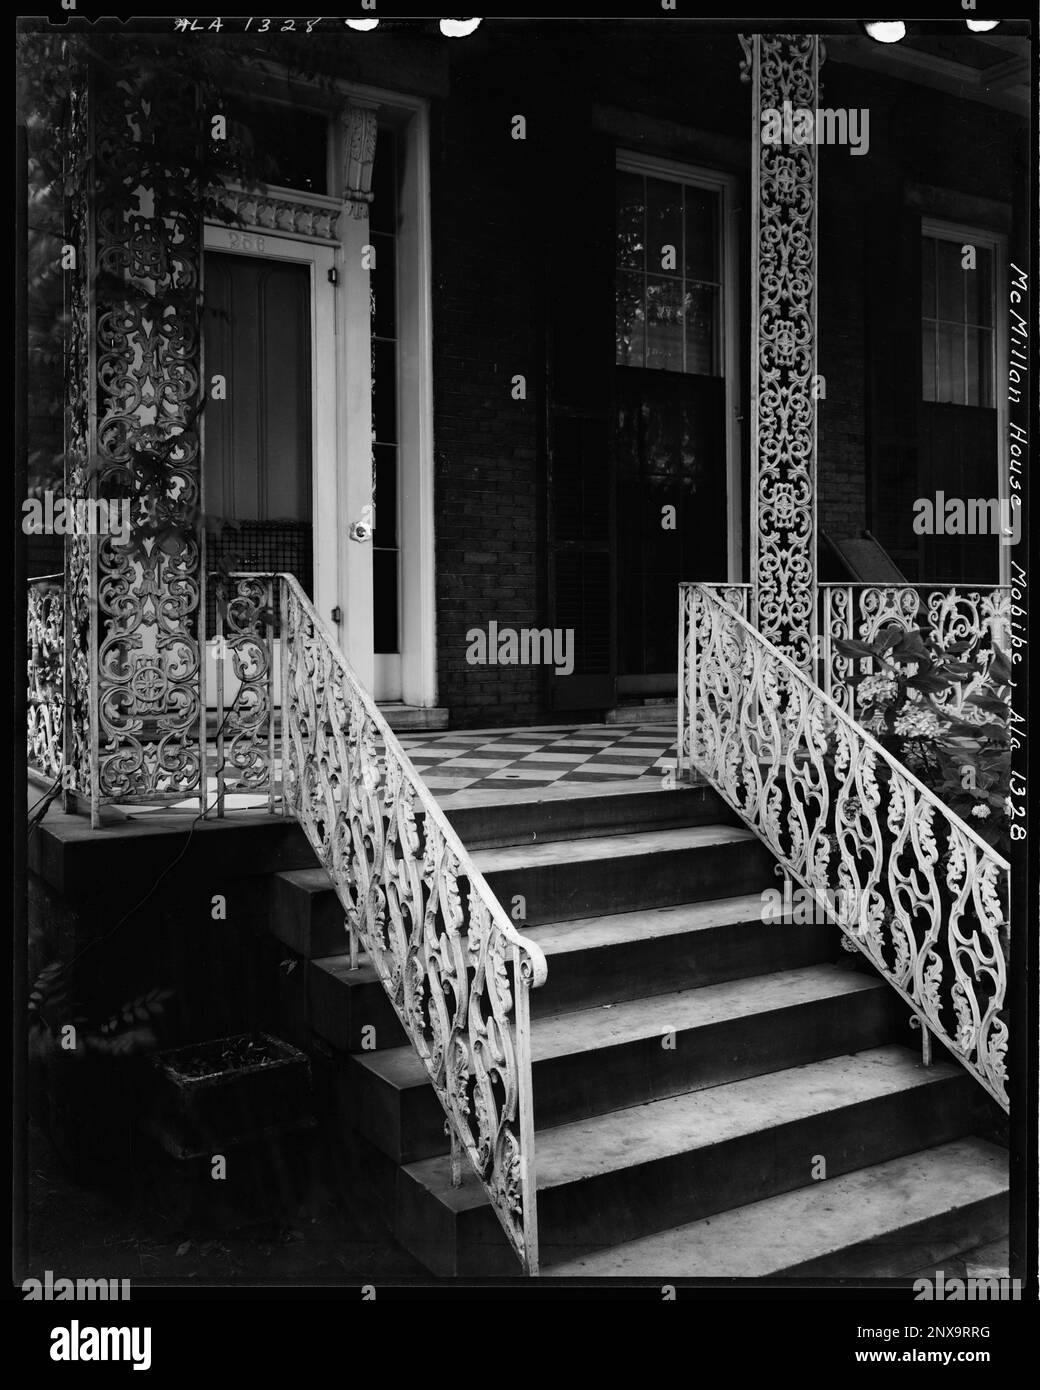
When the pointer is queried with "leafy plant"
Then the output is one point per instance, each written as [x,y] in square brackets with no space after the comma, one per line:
[906,703]
[53,1006]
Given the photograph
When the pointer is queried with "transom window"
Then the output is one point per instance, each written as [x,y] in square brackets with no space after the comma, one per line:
[957,341]
[667,275]
[289,143]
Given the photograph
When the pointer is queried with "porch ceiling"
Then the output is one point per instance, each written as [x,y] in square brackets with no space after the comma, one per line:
[989,68]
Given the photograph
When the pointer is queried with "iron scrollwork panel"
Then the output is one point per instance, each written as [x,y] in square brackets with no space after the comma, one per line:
[145,443]
[245,654]
[953,615]
[46,666]
[456,970]
[783,387]
[921,894]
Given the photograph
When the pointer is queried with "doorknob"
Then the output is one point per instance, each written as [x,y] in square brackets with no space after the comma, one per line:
[361,530]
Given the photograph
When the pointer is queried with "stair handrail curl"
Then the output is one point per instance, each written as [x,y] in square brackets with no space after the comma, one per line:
[922,895]
[443,957]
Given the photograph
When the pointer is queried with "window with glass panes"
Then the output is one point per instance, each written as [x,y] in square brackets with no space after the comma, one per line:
[667,275]
[383,220]
[957,335]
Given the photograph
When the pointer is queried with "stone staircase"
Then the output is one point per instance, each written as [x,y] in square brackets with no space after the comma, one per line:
[715,1096]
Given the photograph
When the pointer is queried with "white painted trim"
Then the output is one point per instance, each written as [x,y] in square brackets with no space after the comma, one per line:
[386,687]
[996,242]
[286,203]
[345,581]
[412,676]
[726,185]
[354,455]
[415,450]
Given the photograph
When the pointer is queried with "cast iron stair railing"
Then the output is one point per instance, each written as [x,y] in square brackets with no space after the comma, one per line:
[923,896]
[455,968]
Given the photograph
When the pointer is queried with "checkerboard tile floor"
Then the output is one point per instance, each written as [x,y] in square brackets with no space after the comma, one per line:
[556,755]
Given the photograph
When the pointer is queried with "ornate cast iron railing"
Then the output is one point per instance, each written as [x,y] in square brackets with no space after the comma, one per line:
[979,613]
[457,971]
[45,648]
[293,719]
[922,896]
[738,596]
[246,717]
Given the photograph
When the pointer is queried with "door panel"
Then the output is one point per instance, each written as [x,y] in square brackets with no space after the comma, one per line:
[671,460]
[258,439]
[672,356]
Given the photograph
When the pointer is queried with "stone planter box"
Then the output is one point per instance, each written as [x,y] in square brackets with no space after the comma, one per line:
[204,1098]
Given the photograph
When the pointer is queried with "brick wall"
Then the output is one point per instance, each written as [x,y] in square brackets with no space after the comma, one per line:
[488,471]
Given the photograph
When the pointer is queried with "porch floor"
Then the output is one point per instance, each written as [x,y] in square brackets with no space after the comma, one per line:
[553,755]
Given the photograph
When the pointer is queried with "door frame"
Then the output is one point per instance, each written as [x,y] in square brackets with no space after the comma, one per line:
[727,187]
[326,381]
[342,430]
[413,671]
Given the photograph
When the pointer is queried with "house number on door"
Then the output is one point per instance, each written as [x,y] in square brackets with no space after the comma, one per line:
[238,242]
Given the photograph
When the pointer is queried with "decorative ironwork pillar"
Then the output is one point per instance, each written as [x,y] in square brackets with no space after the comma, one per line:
[135,705]
[80,587]
[784,71]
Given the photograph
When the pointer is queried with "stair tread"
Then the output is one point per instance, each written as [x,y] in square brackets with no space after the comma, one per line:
[312,880]
[644,924]
[615,846]
[505,797]
[661,1129]
[588,1030]
[779,1233]
[339,967]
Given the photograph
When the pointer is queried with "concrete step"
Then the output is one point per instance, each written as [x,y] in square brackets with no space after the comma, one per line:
[490,817]
[661,950]
[884,1221]
[306,913]
[402,717]
[597,1060]
[628,1174]
[617,873]
[343,1003]
[640,712]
